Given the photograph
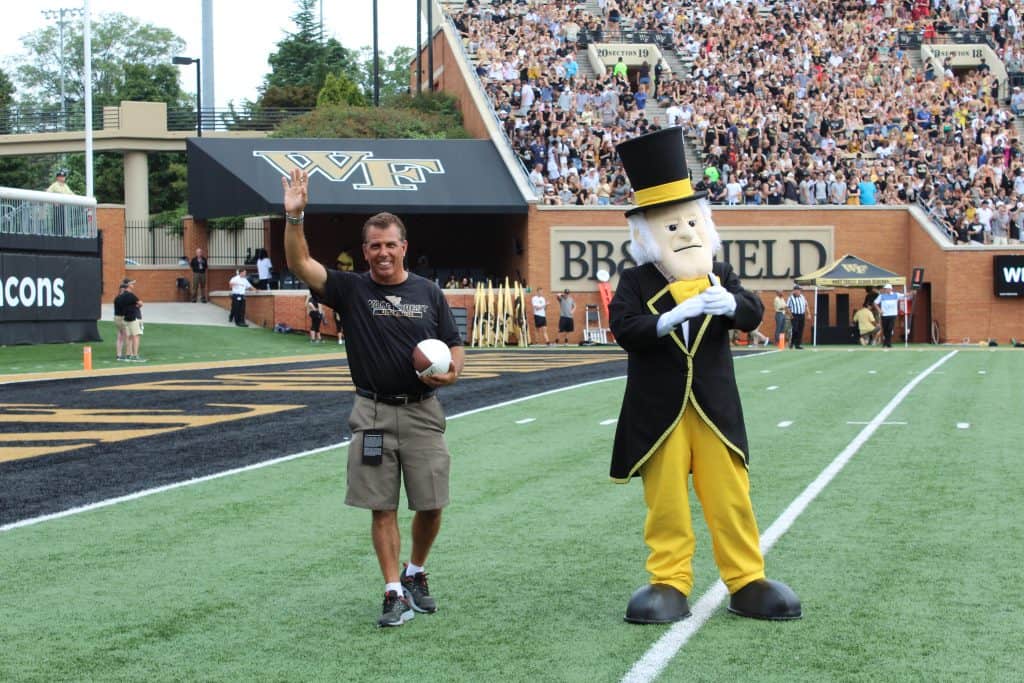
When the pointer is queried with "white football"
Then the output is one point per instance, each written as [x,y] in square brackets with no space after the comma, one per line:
[431,357]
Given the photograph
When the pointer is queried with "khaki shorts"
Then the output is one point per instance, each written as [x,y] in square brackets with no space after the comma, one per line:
[119,324]
[414,450]
[133,327]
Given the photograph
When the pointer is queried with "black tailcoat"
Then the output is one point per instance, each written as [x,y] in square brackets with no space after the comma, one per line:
[664,374]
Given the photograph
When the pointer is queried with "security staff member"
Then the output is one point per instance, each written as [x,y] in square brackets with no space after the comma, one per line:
[239,286]
[797,305]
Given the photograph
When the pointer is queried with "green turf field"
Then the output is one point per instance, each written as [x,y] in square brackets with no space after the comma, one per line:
[907,563]
[163,344]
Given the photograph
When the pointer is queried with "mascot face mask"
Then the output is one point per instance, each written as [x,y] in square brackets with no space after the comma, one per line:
[681,239]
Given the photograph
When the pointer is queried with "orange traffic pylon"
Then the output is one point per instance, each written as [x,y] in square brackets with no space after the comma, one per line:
[87,357]
[782,341]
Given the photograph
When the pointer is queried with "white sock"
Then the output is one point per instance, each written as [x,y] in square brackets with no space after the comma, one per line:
[397,587]
[412,569]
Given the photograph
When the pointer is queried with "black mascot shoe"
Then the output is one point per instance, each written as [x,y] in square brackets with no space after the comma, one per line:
[657,603]
[766,599]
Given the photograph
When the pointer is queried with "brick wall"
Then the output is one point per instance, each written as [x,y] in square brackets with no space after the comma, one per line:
[110,221]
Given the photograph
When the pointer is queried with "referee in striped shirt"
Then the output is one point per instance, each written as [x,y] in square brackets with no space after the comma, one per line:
[797,305]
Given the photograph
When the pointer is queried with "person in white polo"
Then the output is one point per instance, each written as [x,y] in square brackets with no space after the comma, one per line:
[888,302]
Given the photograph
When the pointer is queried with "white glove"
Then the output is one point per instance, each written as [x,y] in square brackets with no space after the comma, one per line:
[717,299]
[690,308]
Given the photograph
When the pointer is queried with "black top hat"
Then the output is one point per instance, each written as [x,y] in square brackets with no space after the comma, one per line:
[656,166]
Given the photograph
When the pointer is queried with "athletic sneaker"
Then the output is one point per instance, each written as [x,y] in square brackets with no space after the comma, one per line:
[396,611]
[136,359]
[122,358]
[417,592]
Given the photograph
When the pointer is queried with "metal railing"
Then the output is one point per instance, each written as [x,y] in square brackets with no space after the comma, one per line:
[263,119]
[911,40]
[46,214]
[236,245]
[625,35]
[15,121]
[148,244]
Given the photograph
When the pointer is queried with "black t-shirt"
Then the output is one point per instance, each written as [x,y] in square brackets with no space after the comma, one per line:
[126,304]
[382,325]
[198,265]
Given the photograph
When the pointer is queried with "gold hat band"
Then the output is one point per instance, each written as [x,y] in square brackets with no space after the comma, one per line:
[666,192]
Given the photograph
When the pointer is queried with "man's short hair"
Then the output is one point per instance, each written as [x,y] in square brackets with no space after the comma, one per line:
[382,221]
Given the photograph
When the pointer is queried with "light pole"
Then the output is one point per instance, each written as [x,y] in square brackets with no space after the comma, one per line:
[199,95]
[59,15]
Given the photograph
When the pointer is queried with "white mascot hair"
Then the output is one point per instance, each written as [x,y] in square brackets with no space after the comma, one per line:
[642,246]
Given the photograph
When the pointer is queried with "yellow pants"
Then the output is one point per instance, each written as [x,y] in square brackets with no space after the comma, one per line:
[721,483]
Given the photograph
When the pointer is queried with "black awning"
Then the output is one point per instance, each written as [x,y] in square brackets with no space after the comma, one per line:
[228,177]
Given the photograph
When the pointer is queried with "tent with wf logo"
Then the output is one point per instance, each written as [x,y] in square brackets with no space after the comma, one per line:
[851,271]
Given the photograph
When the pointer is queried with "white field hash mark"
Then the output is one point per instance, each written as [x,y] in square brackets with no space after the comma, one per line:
[785,423]
[525,421]
[608,422]
[665,648]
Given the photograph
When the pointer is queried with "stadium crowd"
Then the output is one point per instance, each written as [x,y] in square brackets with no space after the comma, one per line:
[797,102]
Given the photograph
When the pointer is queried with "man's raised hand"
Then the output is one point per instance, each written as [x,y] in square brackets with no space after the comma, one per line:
[296,192]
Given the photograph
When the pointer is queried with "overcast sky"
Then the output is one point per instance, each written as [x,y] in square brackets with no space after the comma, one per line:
[245,32]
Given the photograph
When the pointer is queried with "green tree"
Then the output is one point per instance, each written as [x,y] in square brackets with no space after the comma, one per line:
[394,72]
[126,53]
[433,116]
[131,61]
[27,173]
[302,62]
[339,89]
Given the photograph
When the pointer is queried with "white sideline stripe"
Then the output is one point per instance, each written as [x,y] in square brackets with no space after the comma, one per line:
[167,487]
[665,648]
[255,466]
[266,463]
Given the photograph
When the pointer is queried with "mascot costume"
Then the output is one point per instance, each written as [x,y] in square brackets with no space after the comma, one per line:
[681,413]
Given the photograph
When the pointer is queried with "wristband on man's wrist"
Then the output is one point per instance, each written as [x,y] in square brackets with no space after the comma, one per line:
[295,220]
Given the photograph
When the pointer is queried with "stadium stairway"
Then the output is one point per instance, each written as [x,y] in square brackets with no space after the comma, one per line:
[915,60]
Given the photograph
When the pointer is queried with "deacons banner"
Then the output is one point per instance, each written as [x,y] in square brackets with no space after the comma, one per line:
[48,298]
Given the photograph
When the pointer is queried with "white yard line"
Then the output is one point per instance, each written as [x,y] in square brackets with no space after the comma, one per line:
[665,648]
